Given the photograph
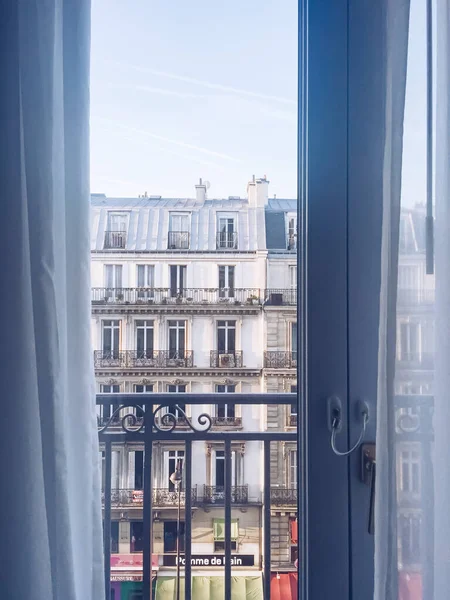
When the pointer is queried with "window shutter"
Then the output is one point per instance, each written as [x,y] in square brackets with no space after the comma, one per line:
[219,530]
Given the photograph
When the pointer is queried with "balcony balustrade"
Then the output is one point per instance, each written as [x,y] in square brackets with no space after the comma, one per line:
[283,496]
[134,359]
[280,360]
[216,495]
[161,497]
[115,239]
[178,240]
[226,240]
[227,421]
[226,360]
[280,297]
[169,296]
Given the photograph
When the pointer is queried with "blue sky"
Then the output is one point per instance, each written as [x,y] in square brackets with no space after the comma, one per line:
[182,90]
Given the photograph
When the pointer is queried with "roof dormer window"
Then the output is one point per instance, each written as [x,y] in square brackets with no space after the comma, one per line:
[116,232]
[178,231]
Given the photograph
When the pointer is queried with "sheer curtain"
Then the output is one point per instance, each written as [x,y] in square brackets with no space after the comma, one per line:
[50,510]
[429,577]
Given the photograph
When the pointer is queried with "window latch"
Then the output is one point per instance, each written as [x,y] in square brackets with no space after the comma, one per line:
[368,474]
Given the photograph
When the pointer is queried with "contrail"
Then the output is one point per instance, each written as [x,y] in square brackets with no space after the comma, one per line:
[207,84]
[167,140]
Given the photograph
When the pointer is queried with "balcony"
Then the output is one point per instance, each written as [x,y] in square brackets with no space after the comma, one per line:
[184,296]
[216,494]
[115,240]
[226,240]
[116,359]
[283,496]
[415,297]
[162,497]
[280,297]
[416,360]
[178,240]
[226,360]
[133,359]
[227,421]
[280,360]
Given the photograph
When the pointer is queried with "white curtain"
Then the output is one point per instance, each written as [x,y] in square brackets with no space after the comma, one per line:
[50,510]
[441,420]
[396,43]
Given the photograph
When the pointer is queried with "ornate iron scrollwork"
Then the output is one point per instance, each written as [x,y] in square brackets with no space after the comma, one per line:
[169,420]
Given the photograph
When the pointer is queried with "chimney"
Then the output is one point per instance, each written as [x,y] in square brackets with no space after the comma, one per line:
[200,191]
[258,192]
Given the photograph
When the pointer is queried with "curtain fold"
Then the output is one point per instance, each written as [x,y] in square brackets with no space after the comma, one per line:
[441,419]
[396,45]
[50,509]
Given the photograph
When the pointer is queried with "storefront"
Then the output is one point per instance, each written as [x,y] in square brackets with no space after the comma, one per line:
[208,581]
[126,576]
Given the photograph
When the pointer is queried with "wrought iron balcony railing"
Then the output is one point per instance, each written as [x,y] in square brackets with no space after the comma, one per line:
[110,359]
[227,240]
[188,296]
[157,359]
[280,297]
[178,240]
[416,360]
[227,421]
[280,360]
[115,239]
[126,498]
[415,297]
[283,496]
[216,495]
[226,360]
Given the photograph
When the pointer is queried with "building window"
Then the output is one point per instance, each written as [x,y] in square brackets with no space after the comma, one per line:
[114,537]
[116,234]
[294,342]
[409,341]
[143,389]
[219,534]
[113,281]
[226,232]
[293,409]
[177,280]
[177,339]
[292,233]
[226,281]
[292,469]
[226,337]
[144,339]
[293,276]
[225,412]
[410,472]
[219,469]
[146,281]
[177,389]
[410,526]
[110,339]
[136,536]
[137,464]
[105,411]
[170,536]
[178,231]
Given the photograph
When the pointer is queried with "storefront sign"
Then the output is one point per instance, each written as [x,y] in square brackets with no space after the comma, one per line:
[210,560]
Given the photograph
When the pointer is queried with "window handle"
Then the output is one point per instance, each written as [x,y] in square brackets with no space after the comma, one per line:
[368,476]
[335,423]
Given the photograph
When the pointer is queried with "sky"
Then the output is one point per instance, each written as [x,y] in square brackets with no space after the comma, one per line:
[182,90]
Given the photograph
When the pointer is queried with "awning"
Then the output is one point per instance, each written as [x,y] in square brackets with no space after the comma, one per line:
[409,586]
[294,531]
[284,586]
[212,588]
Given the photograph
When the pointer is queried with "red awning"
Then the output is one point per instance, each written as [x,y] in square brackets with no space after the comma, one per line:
[284,586]
[409,586]
[294,531]
[134,561]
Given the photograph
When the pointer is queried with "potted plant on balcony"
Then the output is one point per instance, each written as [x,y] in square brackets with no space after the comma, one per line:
[252,299]
[119,297]
[179,299]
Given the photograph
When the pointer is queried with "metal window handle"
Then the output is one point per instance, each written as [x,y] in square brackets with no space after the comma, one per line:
[335,423]
[368,476]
